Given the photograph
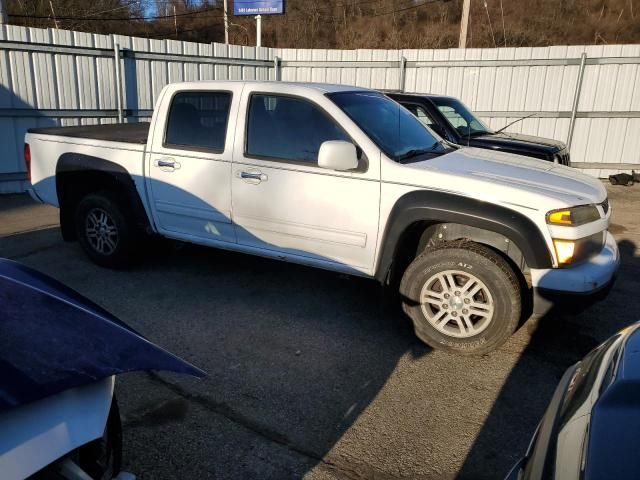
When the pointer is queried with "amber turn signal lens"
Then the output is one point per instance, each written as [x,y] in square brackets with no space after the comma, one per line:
[574,216]
[560,217]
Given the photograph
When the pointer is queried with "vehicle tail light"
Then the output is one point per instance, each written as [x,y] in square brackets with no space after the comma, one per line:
[27,159]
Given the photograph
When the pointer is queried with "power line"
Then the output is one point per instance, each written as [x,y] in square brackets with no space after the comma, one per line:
[326,18]
[214,9]
[117,19]
[406,8]
[381,14]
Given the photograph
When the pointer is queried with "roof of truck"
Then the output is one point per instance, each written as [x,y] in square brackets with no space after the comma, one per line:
[321,87]
[136,133]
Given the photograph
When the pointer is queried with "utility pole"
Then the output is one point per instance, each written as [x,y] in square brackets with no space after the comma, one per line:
[175,21]
[258,30]
[464,23]
[226,24]
[55,21]
[4,18]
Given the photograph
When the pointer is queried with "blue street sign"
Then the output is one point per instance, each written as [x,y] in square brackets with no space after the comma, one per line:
[258,7]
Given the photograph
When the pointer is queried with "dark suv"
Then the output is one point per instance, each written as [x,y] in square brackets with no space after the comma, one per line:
[453,121]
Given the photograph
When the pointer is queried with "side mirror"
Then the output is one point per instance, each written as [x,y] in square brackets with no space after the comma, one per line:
[338,155]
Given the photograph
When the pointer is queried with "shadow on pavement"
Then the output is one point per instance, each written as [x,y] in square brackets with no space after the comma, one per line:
[295,355]
[557,342]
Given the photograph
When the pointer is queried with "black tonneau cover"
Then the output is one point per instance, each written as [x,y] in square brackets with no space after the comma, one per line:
[119,132]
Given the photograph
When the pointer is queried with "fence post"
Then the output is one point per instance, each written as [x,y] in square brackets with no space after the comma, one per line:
[213,54]
[402,73]
[276,67]
[116,58]
[576,100]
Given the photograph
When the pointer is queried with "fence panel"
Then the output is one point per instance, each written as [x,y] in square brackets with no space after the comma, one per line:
[57,77]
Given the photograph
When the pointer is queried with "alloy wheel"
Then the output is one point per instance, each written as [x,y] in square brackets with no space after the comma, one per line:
[457,303]
[101,231]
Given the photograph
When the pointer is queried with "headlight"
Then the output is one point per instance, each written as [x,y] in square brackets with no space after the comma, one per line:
[573,216]
[564,250]
[575,251]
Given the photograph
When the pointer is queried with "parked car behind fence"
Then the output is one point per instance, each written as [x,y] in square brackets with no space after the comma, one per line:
[456,123]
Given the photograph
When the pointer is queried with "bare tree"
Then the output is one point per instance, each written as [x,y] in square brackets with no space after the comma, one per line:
[348,23]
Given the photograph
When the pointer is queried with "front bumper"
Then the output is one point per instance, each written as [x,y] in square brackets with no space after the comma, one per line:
[590,280]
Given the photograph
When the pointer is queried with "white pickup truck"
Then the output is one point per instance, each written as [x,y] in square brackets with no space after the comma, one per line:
[341,178]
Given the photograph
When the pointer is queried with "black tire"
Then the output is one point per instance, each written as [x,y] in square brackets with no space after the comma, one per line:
[102,458]
[501,292]
[118,253]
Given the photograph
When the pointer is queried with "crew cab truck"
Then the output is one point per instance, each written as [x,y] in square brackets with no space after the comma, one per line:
[340,178]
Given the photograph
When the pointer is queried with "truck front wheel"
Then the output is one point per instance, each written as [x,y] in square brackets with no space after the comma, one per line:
[462,297]
[104,231]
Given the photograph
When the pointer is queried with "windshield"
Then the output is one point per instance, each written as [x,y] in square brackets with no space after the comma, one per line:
[460,117]
[393,128]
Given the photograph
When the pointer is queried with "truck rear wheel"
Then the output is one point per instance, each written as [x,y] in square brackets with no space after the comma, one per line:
[104,231]
[462,297]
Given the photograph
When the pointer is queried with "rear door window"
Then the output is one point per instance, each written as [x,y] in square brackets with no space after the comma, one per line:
[288,128]
[198,121]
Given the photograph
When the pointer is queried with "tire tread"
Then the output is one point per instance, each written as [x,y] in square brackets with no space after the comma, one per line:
[498,262]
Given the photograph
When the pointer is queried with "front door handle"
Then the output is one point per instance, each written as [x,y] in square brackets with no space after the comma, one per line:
[253,177]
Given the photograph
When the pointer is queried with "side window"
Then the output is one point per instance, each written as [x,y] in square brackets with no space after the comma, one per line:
[421,113]
[454,117]
[198,120]
[288,128]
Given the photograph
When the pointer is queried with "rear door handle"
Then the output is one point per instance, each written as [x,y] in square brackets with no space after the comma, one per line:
[254,176]
[167,163]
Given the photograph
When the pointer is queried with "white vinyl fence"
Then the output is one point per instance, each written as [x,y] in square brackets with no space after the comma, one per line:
[587,96]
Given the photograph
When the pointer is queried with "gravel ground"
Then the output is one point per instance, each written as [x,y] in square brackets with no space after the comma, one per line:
[309,374]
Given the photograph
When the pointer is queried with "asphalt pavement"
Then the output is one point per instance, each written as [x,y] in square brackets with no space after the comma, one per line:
[310,373]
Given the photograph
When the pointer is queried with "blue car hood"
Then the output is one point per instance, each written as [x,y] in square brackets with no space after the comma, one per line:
[53,339]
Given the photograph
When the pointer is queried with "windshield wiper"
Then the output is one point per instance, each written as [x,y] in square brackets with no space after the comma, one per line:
[515,121]
[416,152]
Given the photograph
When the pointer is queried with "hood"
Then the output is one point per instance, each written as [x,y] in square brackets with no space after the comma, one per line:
[519,142]
[529,179]
[53,339]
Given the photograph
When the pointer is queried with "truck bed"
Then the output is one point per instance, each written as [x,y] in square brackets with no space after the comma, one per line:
[120,132]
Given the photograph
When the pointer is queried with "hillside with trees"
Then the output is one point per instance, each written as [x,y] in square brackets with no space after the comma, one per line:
[350,24]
